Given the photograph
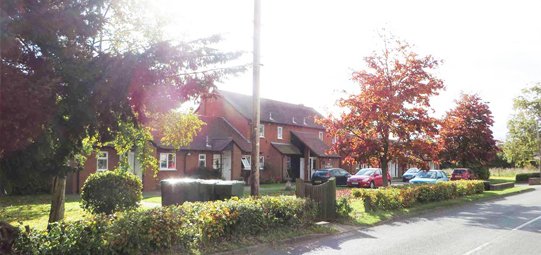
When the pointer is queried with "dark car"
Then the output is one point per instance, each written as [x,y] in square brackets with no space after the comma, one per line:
[322,175]
[410,174]
[368,178]
[462,174]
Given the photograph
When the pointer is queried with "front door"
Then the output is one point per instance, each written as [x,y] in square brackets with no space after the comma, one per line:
[301,173]
[135,166]
[226,165]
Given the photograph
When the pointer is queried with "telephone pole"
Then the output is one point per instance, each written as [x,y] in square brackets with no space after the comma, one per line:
[254,176]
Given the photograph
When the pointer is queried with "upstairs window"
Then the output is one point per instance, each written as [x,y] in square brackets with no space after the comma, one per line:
[261,130]
[280,132]
[202,160]
[103,161]
[168,161]
[321,136]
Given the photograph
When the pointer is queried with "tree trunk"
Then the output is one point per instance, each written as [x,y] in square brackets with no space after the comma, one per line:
[384,169]
[59,197]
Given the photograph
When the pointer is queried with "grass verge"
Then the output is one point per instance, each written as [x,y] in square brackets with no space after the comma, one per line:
[360,217]
[501,179]
[270,237]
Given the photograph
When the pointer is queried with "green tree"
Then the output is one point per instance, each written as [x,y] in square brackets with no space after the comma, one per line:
[77,73]
[522,143]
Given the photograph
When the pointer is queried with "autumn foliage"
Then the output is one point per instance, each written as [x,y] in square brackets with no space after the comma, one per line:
[465,135]
[389,119]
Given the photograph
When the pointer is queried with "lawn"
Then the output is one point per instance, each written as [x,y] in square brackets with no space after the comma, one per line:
[359,216]
[501,179]
[33,210]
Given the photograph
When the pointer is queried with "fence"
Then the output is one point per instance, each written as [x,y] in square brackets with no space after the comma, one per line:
[324,195]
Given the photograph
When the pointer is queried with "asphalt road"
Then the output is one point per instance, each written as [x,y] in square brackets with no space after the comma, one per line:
[510,225]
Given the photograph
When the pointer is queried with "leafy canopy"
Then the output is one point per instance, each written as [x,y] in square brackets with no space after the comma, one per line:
[389,118]
[522,144]
[465,135]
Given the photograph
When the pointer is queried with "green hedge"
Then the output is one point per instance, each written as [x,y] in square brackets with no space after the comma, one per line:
[525,176]
[405,196]
[180,228]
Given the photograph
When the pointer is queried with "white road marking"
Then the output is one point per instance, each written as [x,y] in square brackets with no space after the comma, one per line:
[480,247]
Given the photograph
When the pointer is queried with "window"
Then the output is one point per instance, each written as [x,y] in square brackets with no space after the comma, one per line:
[202,160]
[216,161]
[333,141]
[168,161]
[261,130]
[261,162]
[246,162]
[103,161]
[280,131]
[321,136]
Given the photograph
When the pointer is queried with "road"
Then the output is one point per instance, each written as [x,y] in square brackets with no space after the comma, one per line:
[510,225]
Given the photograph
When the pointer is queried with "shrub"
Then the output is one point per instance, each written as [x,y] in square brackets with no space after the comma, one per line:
[170,228]
[405,196]
[525,176]
[482,173]
[343,208]
[111,191]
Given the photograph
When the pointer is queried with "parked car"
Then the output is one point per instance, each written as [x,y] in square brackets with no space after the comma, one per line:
[322,175]
[462,174]
[410,174]
[432,176]
[368,178]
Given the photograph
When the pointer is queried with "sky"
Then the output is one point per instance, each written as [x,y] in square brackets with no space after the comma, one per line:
[309,49]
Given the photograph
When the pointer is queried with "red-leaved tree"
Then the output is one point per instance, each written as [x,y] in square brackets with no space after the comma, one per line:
[465,135]
[389,119]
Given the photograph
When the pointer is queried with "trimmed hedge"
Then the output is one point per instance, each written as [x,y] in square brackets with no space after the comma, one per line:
[391,198]
[171,228]
[525,176]
[111,191]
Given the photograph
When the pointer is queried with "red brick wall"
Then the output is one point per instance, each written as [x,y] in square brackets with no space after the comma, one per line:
[218,107]
[89,168]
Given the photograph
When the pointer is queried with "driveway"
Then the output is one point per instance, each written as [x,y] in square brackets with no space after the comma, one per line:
[510,225]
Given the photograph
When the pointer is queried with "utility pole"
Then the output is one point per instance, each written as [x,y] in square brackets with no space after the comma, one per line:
[254,176]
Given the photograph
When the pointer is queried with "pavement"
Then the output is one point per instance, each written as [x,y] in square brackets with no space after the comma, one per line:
[509,225]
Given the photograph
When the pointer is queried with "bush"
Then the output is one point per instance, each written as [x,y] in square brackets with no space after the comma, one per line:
[171,228]
[111,191]
[405,196]
[482,173]
[343,208]
[525,176]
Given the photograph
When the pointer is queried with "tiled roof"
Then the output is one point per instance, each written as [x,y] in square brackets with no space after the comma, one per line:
[274,111]
[313,142]
[220,134]
[287,148]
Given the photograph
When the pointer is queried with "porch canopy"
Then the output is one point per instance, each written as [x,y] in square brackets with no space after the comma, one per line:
[312,141]
[287,149]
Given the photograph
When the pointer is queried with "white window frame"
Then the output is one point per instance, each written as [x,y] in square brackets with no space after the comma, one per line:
[106,158]
[333,141]
[321,135]
[280,132]
[261,131]
[202,159]
[246,162]
[168,168]
[216,157]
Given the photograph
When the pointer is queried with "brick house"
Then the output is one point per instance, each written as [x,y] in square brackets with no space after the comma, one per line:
[291,145]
